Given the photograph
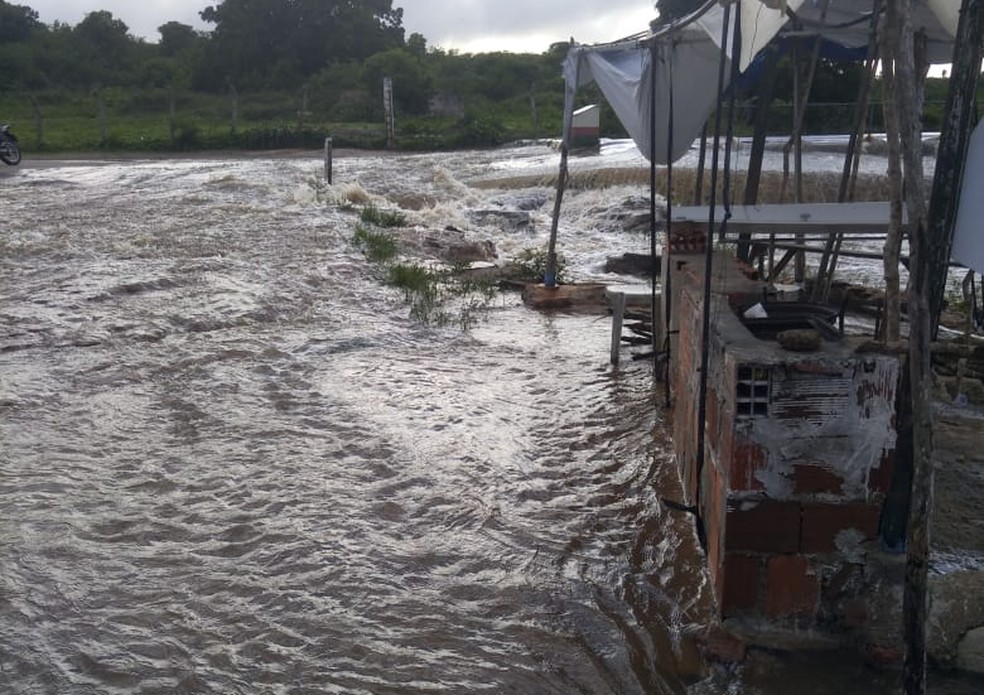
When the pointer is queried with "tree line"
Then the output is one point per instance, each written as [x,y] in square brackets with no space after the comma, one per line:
[329,55]
[288,65]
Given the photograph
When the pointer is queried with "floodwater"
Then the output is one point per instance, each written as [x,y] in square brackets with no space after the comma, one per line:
[231,462]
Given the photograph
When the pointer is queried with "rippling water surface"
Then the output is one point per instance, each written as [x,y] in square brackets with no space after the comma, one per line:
[231,463]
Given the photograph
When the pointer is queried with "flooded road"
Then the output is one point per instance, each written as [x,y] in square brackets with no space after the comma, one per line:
[231,463]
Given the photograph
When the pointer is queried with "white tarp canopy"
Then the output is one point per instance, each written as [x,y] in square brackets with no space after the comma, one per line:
[681,63]
[848,23]
[627,77]
[968,235]
[759,25]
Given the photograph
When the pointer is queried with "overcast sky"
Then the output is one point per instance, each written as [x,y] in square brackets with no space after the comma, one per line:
[469,26]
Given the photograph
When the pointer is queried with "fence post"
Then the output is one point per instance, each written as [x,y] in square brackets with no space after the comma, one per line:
[38,122]
[388,108]
[328,160]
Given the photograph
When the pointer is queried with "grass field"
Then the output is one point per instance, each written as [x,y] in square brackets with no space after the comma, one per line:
[118,120]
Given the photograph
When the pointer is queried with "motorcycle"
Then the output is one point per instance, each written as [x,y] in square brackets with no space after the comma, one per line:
[9,150]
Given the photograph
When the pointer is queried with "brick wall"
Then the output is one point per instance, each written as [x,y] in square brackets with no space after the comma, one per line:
[798,458]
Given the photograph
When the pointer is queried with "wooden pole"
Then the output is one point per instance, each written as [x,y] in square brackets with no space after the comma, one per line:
[952,151]
[101,106]
[654,55]
[389,112]
[831,251]
[763,102]
[534,118]
[915,602]
[803,77]
[550,273]
[38,122]
[171,118]
[890,327]
[701,161]
[329,155]
[234,98]
[618,317]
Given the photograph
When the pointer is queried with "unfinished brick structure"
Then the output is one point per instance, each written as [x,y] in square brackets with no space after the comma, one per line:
[797,461]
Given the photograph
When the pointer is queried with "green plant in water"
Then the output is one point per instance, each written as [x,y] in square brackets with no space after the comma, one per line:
[383,218]
[415,281]
[443,297]
[379,247]
[531,265]
[438,297]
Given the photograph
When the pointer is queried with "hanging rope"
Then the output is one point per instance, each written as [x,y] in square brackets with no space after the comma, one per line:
[666,292]
[653,58]
[708,269]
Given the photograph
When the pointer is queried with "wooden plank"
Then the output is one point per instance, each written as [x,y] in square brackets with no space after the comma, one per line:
[861,217]
[618,315]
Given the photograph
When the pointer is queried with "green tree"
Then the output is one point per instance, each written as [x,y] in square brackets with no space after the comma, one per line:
[17,23]
[18,53]
[339,86]
[411,81]
[178,38]
[500,76]
[104,47]
[417,45]
[276,40]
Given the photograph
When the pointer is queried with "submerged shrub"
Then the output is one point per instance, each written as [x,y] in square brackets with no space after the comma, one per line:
[437,296]
[379,247]
[444,297]
[383,218]
[415,280]
[531,266]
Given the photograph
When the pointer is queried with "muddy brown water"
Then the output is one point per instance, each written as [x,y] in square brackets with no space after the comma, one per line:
[230,462]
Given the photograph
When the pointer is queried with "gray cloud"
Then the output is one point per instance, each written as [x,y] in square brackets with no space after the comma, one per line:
[465,21]
[456,24]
